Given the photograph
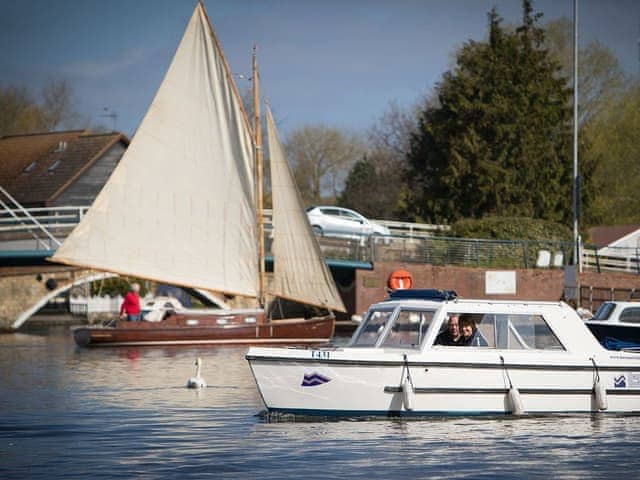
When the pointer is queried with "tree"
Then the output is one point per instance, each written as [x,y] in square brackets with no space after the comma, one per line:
[615,153]
[376,184]
[498,141]
[367,191]
[600,77]
[21,113]
[57,104]
[321,157]
[392,132]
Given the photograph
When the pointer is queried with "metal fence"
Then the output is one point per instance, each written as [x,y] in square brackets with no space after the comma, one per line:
[474,252]
[592,297]
[21,229]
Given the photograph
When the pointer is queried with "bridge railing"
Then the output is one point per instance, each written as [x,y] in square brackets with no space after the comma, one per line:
[23,228]
[409,242]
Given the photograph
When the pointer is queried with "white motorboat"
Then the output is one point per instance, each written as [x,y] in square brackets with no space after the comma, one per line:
[525,357]
[617,325]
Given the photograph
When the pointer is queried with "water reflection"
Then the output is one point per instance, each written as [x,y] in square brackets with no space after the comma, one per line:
[125,412]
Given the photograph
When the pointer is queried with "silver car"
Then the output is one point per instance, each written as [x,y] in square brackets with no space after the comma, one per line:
[342,222]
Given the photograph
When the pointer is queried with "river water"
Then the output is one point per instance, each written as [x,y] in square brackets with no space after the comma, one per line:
[67,412]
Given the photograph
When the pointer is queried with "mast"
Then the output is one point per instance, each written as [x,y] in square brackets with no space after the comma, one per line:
[576,185]
[257,128]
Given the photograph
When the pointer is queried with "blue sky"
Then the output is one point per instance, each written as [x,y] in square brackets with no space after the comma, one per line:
[337,62]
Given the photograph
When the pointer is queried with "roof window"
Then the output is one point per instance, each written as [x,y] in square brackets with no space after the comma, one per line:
[30,167]
[62,146]
[54,165]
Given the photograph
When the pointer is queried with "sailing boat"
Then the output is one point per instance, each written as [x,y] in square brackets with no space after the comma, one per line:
[182,208]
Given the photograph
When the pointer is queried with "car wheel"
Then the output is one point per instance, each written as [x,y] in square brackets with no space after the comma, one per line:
[317,230]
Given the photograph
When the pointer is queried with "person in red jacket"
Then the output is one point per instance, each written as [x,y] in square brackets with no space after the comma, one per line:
[130,308]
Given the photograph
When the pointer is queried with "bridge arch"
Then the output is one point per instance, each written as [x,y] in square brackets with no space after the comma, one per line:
[24,316]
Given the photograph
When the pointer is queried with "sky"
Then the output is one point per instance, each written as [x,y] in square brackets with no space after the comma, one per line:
[333,62]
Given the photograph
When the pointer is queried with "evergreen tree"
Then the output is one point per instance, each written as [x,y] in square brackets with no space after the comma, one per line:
[498,141]
[370,191]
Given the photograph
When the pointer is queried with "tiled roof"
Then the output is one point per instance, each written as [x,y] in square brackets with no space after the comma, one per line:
[36,168]
[603,236]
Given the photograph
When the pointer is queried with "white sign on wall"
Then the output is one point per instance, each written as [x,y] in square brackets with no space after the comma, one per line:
[500,283]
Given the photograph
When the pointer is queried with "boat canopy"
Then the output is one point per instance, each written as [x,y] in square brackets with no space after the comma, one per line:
[415,325]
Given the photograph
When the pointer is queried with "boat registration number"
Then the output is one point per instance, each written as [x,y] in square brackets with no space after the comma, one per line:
[321,354]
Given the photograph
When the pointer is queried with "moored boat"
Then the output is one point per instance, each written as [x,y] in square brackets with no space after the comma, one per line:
[616,325]
[235,327]
[524,357]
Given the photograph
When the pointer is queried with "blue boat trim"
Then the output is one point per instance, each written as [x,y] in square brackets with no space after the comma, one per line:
[422,294]
[404,413]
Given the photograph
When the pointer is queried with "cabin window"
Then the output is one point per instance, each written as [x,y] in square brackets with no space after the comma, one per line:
[533,331]
[408,329]
[371,329]
[630,315]
[604,312]
[510,331]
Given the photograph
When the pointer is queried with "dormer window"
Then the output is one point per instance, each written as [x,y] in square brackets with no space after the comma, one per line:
[62,146]
[30,167]
[53,166]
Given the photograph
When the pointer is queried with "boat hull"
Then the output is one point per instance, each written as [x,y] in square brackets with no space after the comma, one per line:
[181,331]
[342,387]
[615,336]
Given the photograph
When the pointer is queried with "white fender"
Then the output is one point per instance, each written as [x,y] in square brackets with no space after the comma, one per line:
[515,402]
[407,394]
[600,391]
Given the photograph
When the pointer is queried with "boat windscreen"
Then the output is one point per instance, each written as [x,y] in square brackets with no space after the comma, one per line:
[371,329]
[408,329]
[604,311]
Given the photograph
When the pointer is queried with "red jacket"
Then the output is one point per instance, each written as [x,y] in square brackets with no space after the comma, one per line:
[131,304]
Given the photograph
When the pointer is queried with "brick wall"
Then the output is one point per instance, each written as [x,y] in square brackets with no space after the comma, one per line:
[531,284]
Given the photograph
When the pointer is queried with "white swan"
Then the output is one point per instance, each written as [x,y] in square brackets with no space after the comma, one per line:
[197,381]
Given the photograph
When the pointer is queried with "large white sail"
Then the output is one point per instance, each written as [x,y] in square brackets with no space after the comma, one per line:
[300,272]
[180,206]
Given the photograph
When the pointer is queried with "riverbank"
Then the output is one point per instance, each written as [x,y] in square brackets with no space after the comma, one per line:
[53,319]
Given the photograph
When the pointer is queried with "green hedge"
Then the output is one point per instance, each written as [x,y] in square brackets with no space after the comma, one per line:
[510,228]
[117,286]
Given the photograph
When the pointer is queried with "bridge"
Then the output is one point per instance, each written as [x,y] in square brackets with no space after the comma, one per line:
[29,236]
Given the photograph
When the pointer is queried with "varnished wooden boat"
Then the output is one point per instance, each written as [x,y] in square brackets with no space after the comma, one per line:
[219,328]
[201,225]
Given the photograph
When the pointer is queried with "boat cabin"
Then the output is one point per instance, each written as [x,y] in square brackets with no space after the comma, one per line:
[415,320]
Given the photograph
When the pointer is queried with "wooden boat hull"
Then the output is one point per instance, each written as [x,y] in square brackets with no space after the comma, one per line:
[183,331]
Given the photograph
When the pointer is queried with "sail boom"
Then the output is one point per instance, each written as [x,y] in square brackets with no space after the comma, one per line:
[102,268]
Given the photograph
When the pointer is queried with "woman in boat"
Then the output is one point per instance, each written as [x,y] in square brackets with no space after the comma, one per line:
[468,331]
